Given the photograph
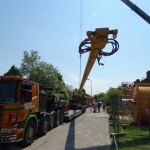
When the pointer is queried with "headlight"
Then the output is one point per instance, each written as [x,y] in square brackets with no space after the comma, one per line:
[8,130]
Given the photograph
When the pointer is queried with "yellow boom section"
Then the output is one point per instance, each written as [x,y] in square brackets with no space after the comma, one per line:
[98,40]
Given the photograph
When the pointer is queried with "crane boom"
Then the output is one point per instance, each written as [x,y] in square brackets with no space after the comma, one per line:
[98,39]
[136,9]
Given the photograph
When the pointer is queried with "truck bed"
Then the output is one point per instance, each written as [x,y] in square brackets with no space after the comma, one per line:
[72,114]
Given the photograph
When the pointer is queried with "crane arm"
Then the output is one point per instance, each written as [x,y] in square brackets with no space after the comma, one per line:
[98,39]
[136,9]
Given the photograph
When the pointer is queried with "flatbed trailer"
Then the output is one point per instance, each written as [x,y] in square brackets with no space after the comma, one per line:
[75,109]
[72,114]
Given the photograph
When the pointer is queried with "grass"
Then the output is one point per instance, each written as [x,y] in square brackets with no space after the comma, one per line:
[136,138]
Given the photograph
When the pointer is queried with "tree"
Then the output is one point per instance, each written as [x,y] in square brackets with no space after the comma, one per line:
[13,71]
[43,73]
[100,96]
[48,76]
[112,93]
[83,91]
[76,91]
[63,94]
[69,89]
[29,62]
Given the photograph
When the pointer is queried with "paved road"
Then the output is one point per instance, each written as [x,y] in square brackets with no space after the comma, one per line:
[87,132]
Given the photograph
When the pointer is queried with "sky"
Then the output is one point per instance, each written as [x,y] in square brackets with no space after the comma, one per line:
[52,27]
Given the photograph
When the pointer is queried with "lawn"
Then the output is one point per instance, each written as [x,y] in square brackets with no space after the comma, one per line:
[136,137]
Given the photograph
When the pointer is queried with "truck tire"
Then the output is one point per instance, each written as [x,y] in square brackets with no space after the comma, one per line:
[83,110]
[61,117]
[44,126]
[57,121]
[52,121]
[29,133]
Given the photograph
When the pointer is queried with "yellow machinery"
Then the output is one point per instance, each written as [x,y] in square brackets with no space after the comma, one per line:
[138,93]
[127,102]
[141,92]
[94,44]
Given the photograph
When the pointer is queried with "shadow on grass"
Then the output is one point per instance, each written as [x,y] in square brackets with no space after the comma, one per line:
[140,142]
[137,137]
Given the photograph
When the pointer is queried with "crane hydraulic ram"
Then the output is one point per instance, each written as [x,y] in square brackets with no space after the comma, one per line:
[94,44]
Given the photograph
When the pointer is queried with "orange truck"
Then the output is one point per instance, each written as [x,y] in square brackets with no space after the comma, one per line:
[25,109]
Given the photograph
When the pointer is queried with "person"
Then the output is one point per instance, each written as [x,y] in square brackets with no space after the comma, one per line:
[91,104]
[104,105]
[96,104]
[99,105]
[73,96]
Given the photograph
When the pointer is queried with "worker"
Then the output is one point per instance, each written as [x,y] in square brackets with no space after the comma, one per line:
[91,104]
[99,105]
[104,106]
[73,96]
[96,104]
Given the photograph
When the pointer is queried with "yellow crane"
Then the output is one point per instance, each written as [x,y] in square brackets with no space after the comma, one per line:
[94,44]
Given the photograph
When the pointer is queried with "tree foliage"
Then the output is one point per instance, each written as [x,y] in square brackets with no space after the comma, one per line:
[13,71]
[43,73]
[69,89]
[112,93]
[63,94]
[99,97]
[29,62]
[76,91]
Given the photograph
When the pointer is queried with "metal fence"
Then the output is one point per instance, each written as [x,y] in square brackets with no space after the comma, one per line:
[149,114]
[122,122]
[115,122]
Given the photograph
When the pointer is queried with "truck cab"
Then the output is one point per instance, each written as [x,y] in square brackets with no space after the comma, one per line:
[18,99]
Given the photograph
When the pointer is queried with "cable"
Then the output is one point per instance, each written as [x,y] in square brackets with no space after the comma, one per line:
[81,30]
[85,46]
[81,21]
[80,71]
[115,47]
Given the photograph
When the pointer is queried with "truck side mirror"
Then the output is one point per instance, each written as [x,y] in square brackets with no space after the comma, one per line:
[28,96]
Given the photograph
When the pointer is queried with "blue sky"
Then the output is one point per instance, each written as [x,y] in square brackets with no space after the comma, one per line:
[52,28]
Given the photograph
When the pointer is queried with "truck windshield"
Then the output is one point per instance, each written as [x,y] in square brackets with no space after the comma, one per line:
[7,92]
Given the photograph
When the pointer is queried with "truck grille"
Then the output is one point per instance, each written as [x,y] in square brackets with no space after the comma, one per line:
[0,116]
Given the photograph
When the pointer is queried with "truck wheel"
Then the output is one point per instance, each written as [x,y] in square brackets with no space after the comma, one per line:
[44,126]
[57,122]
[61,117]
[29,134]
[83,110]
[52,121]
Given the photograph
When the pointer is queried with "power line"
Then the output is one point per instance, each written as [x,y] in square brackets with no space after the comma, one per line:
[80,34]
